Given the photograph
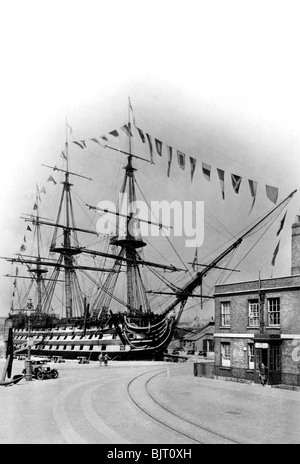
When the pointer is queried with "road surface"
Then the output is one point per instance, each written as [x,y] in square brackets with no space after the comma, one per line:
[144,403]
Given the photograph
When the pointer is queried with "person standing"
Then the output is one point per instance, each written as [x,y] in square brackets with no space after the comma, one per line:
[263,374]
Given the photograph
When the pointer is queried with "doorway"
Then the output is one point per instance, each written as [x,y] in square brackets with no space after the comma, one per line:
[270,355]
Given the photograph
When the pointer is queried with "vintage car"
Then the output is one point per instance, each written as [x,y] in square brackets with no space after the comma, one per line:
[41,372]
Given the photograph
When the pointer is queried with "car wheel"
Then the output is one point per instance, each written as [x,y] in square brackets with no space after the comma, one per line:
[54,374]
[40,375]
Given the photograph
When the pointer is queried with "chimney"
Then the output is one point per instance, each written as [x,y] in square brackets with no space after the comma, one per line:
[296,247]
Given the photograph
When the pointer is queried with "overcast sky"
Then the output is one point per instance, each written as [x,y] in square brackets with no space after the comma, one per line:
[223,72]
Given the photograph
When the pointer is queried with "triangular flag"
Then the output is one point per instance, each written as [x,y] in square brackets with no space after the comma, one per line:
[114,133]
[193,167]
[63,155]
[206,169]
[50,179]
[236,182]
[70,128]
[104,138]
[24,239]
[275,254]
[170,155]
[272,193]
[131,109]
[181,159]
[28,228]
[95,140]
[141,135]
[253,189]
[80,144]
[23,247]
[282,224]
[43,190]
[158,144]
[35,206]
[222,180]
[150,146]
[195,261]
[127,130]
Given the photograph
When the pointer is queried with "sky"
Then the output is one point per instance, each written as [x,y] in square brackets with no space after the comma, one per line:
[214,78]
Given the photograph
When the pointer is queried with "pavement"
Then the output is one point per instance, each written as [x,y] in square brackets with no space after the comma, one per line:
[89,404]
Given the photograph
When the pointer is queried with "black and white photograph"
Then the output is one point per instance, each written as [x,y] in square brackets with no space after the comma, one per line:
[150,225]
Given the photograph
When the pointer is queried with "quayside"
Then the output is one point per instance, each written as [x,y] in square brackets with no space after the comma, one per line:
[81,292]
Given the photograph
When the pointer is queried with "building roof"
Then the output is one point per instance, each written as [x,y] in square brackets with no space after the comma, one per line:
[210,327]
[274,284]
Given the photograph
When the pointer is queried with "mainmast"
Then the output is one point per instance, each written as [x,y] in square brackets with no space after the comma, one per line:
[129,243]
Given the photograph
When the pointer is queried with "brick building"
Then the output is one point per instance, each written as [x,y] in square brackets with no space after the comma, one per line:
[259,321]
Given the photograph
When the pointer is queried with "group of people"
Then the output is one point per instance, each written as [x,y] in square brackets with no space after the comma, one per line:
[103,358]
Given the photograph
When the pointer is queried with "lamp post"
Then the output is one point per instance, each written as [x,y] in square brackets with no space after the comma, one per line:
[28,364]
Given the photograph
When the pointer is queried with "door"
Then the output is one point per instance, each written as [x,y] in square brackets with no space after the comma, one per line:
[261,357]
[274,365]
[270,355]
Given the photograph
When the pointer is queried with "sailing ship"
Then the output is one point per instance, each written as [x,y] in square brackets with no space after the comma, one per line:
[109,317]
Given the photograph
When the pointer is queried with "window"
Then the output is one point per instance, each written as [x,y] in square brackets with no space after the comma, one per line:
[225,354]
[225,314]
[274,311]
[251,356]
[253,313]
[275,357]
[208,346]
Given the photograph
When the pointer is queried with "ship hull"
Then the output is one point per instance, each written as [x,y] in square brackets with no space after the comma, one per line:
[122,342]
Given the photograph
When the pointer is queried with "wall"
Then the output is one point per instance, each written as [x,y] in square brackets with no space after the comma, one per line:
[4,325]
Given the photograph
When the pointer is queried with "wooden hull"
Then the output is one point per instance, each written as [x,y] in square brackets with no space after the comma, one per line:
[121,342]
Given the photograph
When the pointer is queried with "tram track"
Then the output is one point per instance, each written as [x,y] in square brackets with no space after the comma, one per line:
[139,393]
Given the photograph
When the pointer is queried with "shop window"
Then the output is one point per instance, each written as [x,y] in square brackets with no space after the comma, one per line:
[253,320]
[225,354]
[225,314]
[274,311]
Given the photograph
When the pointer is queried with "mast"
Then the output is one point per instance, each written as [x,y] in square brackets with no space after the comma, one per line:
[38,270]
[67,239]
[130,243]
[67,251]
[128,239]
